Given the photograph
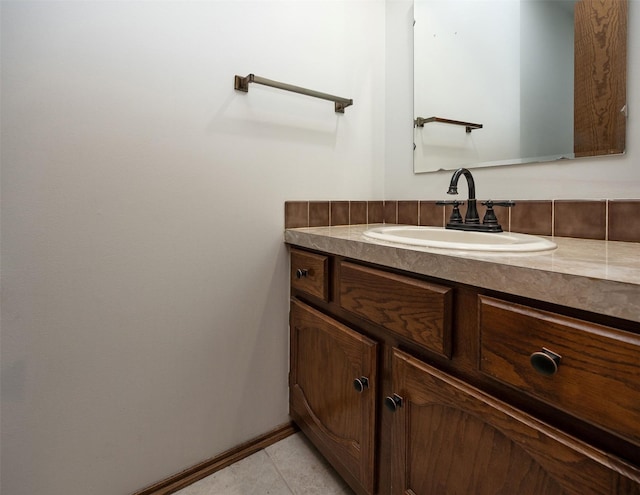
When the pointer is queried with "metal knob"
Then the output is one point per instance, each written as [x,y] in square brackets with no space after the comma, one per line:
[302,272]
[360,384]
[393,402]
[545,362]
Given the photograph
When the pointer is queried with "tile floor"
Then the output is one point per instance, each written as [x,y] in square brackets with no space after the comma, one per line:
[291,466]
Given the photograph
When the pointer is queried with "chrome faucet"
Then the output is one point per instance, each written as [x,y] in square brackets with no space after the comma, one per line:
[471,217]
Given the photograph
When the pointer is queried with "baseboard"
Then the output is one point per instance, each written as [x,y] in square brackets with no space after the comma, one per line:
[202,470]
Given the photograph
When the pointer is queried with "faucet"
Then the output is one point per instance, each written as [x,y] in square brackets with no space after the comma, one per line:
[471,217]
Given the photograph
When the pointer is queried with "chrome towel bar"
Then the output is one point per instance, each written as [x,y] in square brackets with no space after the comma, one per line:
[242,84]
[421,121]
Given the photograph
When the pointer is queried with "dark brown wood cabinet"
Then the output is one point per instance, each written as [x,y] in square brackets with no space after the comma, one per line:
[597,377]
[413,308]
[449,437]
[415,386]
[333,389]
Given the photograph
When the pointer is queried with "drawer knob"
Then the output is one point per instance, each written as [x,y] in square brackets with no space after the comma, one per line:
[393,402]
[360,384]
[545,362]
[302,272]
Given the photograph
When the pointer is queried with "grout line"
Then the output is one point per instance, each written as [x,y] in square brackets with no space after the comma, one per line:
[275,465]
[444,219]
[606,219]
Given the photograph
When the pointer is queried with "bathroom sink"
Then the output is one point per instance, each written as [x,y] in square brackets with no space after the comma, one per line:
[438,237]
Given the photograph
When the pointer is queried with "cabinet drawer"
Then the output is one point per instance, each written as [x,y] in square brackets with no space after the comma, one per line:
[310,273]
[409,307]
[597,378]
[452,438]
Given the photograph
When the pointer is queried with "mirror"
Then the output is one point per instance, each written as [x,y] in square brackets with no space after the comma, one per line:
[501,82]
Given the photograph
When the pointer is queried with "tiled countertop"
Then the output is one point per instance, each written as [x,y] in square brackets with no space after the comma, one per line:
[597,276]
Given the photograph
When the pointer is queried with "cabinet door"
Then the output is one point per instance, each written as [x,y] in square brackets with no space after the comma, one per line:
[452,439]
[333,390]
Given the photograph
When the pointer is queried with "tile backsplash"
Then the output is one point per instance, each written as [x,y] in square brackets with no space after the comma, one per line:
[614,219]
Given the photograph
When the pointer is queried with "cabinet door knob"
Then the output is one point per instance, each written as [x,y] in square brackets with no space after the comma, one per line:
[545,362]
[393,402]
[360,384]
[302,272]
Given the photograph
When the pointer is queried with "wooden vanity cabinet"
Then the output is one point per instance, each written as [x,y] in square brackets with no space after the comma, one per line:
[333,382]
[595,376]
[310,273]
[409,307]
[451,438]
[449,407]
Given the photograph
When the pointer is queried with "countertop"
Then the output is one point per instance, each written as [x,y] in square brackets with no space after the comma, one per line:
[597,276]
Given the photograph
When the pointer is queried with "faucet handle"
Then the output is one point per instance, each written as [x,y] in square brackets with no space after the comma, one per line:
[490,204]
[455,217]
[490,216]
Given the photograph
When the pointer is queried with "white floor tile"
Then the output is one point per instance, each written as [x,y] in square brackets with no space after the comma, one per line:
[291,466]
[254,475]
[304,469]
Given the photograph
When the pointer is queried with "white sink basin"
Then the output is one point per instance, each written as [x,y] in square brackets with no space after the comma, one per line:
[438,237]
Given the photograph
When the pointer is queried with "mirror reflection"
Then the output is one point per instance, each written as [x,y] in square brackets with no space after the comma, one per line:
[500,82]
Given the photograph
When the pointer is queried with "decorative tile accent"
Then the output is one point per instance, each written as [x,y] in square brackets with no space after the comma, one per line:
[616,220]
[584,219]
[431,214]
[296,214]
[339,213]
[408,212]
[391,212]
[532,217]
[624,220]
[318,213]
[358,212]
[375,211]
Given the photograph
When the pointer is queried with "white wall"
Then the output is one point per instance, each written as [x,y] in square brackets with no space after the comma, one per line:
[144,327]
[144,322]
[588,178]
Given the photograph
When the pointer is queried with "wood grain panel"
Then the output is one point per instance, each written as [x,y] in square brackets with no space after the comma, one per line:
[452,438]
[410,307]
[598,379]
[600,77]
[316,278]
[326,357]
